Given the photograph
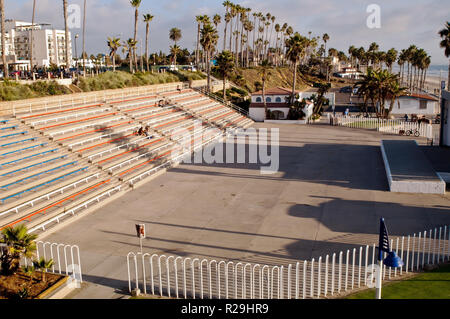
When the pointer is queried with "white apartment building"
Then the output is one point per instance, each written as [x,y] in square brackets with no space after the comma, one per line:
[49,45]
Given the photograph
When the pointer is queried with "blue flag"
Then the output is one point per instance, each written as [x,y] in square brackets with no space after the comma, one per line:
[383,244]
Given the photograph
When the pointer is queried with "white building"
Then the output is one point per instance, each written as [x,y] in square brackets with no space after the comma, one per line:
[49,45]
[420,104]
[276,101]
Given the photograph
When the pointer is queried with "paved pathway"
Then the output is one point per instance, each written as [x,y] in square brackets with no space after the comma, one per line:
[328,195]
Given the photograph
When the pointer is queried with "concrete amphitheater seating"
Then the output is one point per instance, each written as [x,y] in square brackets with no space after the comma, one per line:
[57,162]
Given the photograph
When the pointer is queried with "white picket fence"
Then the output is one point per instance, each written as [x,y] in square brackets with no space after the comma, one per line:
[333,274]
[66,258]
[383,125]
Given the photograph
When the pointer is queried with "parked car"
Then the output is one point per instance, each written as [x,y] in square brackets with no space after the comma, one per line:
[345,89]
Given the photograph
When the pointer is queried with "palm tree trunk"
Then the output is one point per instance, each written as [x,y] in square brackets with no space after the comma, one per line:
[66,28]
[84,37]
[224,89]
[130,58]
[225,35]
[5,65]
[209,71]
[231,35]
[197,52]
[147,31]
[247,48]
[448,80]
[114,61]
[264,97]
[31,36]
[294,80]
[136,18]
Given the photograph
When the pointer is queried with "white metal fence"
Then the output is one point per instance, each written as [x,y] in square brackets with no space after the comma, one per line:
[333,274]
[66,258]
[384,125]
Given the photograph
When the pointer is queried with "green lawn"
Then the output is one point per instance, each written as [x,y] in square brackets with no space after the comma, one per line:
[430,285]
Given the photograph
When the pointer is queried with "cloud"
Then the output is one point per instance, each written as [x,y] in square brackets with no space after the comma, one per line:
[403,22]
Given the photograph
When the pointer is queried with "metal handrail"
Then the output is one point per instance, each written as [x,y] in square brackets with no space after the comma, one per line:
[204,91]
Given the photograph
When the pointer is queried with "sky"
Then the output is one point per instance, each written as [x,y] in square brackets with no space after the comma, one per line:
[402,22]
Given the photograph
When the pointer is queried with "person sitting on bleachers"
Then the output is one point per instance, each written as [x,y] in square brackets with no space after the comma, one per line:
[140,131]
[146,131]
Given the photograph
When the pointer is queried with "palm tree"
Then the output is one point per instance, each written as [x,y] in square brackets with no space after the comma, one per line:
[395,91]
[264,73]
[43,265]
[295,51]
[227,4]
[29,271]
[128,48]
[216,20]
[325,39]
[175,35]
[2,18]
[174,50]
[401,62]
[208,41]
[380,85]
[66,28]
[445,44]
[226,68]
[114,45]
[391,57]
[147,19]
[18,243]
[135,4]
[199,20]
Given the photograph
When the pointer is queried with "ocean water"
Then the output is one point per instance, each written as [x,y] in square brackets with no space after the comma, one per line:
[433,70]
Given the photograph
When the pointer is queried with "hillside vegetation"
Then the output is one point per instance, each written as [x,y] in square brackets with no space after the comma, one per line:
[11,90]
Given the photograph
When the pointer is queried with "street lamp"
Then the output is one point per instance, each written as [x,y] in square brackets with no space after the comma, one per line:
[392,260]
[76,54]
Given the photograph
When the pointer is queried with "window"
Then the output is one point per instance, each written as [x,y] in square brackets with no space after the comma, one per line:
[423,105]
[268,99]
[278,99]
[258,99]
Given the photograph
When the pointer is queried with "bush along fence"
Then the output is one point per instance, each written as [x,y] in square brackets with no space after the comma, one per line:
[66,259]
[384,125]
[334,274]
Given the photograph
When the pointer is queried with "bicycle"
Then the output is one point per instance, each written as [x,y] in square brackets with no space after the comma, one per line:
[410,132]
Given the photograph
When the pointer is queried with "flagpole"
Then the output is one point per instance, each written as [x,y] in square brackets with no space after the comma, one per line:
[379,279]
[380,261]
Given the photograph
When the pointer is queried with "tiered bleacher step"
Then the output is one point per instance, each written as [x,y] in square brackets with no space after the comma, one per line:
[57,162]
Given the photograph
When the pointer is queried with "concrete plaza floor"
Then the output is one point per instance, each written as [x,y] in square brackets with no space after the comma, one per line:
[328,195]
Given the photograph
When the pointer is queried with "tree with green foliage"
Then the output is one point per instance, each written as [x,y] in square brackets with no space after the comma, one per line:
[43,265]
[135,4]
[208,40]
[18,243]
[296,46]
[445,44]
[114,45]
[147,19]
[264,72]
[226,68]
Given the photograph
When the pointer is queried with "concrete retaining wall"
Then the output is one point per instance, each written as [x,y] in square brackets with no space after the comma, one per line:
[411,186]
